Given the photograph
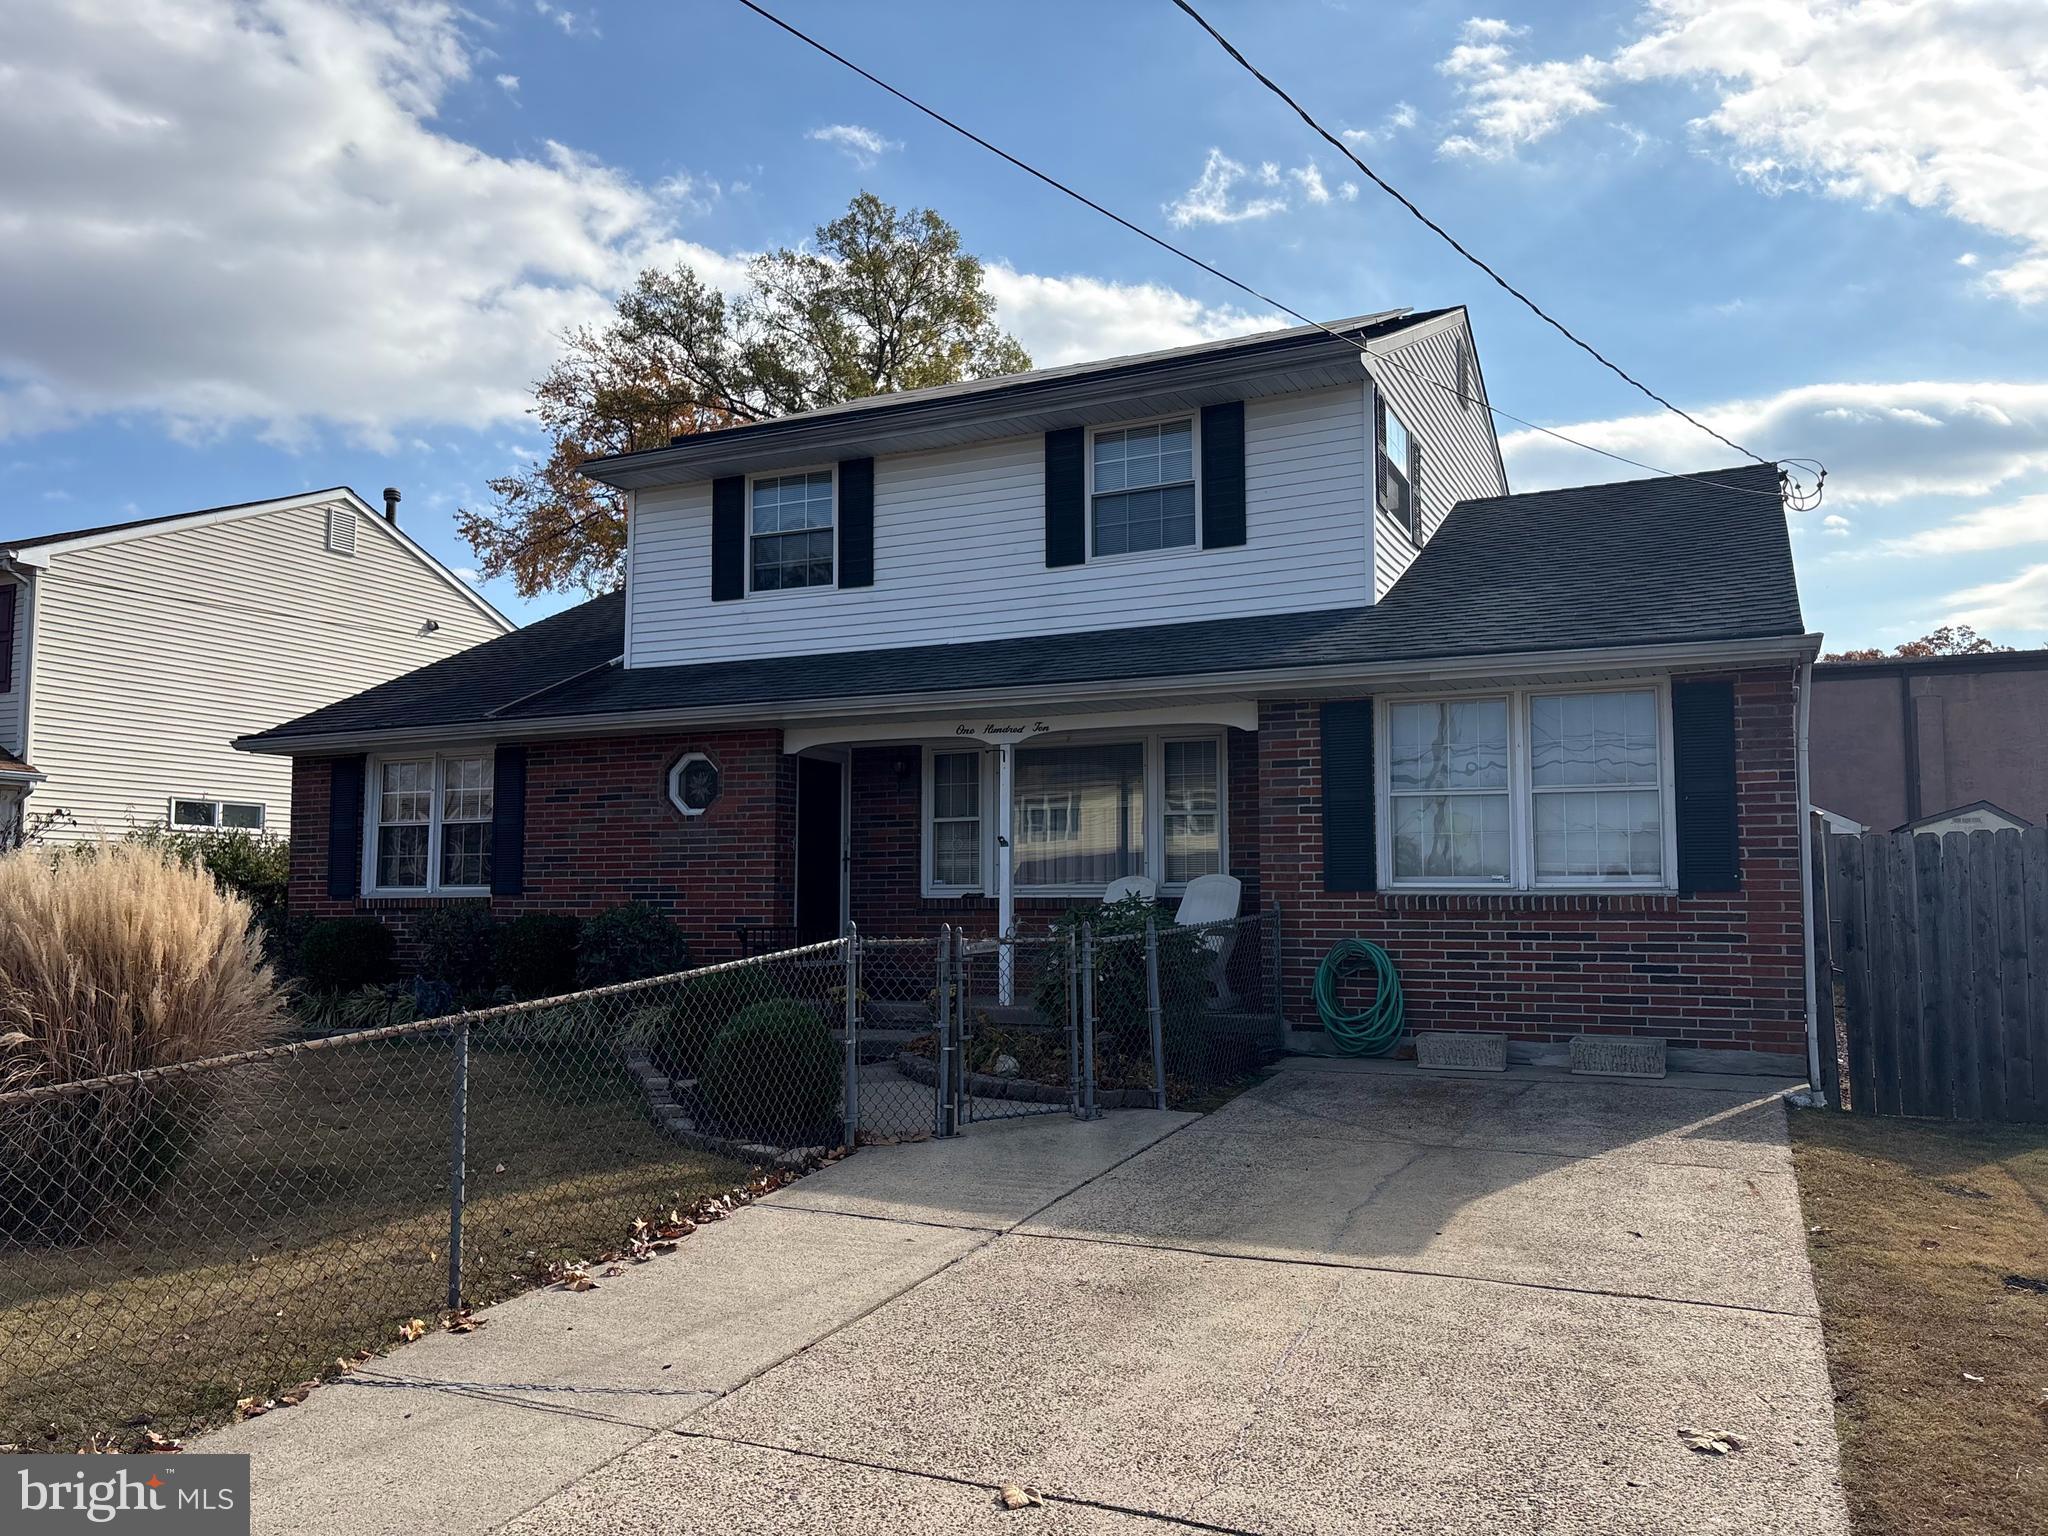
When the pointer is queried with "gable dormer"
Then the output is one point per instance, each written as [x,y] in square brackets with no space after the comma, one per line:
[1229,479]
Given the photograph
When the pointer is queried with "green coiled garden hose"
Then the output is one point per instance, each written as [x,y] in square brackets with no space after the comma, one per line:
[1371,1031]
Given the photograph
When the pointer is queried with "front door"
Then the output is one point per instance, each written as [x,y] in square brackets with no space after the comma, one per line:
[820,848]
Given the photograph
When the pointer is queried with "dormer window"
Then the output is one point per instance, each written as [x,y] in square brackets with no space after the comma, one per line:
[790,541]
[1142,487]
[1396,473]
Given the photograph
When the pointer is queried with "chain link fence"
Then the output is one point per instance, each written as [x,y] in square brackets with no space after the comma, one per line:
[181,1240]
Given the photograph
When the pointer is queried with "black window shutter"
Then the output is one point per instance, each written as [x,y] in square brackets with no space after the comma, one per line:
[1350,850]
[1223,475]
[7,600]
[508,821]
[856,522]
[344,827]
[1066,497]
[728,538]
[1415,487]
[1703,773]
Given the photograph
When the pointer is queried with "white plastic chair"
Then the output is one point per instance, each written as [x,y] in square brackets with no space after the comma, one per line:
[1130,885]
[1214,899]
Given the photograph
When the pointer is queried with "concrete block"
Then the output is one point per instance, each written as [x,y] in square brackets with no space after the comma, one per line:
[1461,1051]
[1617,1056]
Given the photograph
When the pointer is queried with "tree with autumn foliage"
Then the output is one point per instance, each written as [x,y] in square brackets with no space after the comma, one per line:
[883,301]
[1949,640]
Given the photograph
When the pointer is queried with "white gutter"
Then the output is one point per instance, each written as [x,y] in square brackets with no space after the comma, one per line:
[1802,714]
[1268,682]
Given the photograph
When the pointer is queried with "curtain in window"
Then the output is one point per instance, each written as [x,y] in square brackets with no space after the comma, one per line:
[405,804]
[956,819]
[466,795]
[1597,808]
[1078,814]
[1448,789]
[1193,844]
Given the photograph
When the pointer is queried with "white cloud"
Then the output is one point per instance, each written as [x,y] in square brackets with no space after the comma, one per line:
[1310,179]
[1967,259]
[1875,101]
[863,146]
[408,282]
[2015,605]
[1208,201]
[1348,191]
[509,84]
[572,23]
[1507,103]
[240,212]
[1882,443]
[2012,525]
[1836,525]
[1073,319]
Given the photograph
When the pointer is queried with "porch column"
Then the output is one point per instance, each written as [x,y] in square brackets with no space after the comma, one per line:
[1006,892]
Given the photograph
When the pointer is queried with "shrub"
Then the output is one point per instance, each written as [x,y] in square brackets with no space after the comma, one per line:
[773,1075]
[346,954]
[537,954]
[1120,993]
[112,964]
[458,946]
[679,1033]
[629,943]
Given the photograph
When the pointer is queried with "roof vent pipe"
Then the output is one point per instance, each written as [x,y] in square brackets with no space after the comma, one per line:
[391,504]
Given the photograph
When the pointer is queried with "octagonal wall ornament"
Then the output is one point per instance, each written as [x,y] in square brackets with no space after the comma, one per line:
[694,783]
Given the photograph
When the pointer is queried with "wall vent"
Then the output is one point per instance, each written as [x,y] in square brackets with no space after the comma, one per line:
[341,530]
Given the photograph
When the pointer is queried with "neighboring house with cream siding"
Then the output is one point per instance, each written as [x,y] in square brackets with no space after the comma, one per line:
[138,652]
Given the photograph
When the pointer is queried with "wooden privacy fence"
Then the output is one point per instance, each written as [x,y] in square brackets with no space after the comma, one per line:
[1934,964]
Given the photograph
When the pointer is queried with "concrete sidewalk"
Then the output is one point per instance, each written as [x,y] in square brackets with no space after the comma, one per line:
[1348,1300]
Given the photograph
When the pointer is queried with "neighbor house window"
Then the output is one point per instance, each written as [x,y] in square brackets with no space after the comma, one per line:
[791,538]
[1396,470]
[241,815]
[431,819]
[955,840]
[1082,814]
[1527,789]
[1143,487]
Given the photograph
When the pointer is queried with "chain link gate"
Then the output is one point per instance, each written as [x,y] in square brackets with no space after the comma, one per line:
[1010,1020]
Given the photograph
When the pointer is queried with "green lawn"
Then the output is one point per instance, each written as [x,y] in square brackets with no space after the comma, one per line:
[310,1220]
[1929,1243]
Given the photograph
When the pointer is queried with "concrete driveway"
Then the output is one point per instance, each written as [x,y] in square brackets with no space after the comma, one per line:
[1355,1298]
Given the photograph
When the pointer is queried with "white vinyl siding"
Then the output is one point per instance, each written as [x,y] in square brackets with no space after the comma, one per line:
[1457,442]
[960,551]
[152,653]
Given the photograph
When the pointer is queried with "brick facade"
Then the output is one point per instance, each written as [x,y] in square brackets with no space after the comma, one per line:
[1721,971]
[1715,971]
[600,831]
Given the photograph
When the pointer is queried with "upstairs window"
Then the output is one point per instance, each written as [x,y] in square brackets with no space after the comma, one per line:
[1143,487]
[1396,473]
[791,539]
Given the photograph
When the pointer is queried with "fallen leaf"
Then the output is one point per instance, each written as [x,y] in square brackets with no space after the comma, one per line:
[1710,1442]
[1015,1497]
[1968,1376]
[464,1322]
[253,1407]
[415,1329]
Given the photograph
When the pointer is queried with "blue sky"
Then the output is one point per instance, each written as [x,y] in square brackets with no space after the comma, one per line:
[255,246]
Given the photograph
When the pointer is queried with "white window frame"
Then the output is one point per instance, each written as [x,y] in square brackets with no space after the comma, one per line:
[927,850]
[1154,742]
[1521,792]
[788,474]
[1375,429]
[373,779]
[220,806]
[1194,420]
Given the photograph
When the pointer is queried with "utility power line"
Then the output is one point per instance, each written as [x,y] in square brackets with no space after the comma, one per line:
[1801,497]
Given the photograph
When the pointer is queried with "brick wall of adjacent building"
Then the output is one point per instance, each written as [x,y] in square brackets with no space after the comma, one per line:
[600,831]
[1704,971]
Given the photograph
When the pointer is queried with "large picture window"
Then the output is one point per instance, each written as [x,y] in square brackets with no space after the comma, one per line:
[1082,813]
[1527,790]
[791,540]
[1144,487]
[430,824]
